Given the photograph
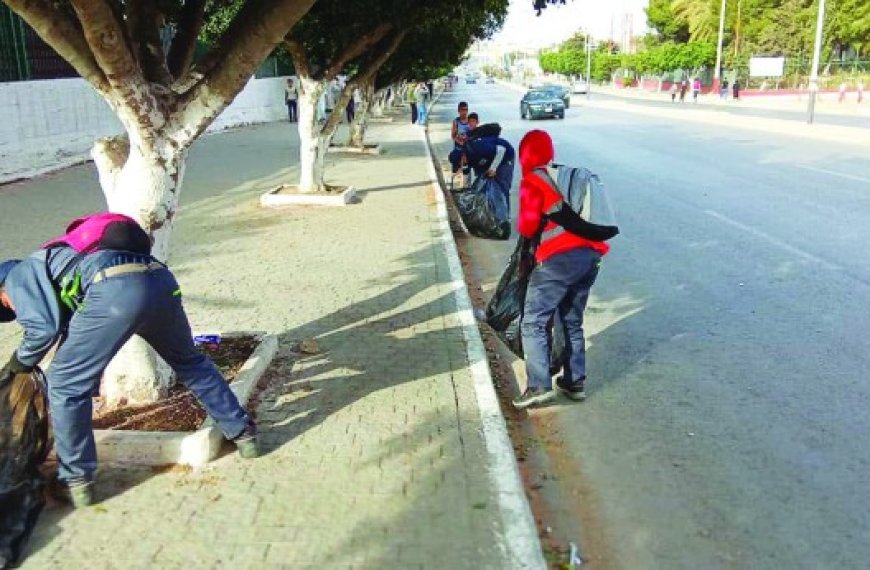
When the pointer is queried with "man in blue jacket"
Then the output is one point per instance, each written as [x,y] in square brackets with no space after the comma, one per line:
[494,157]
[122,294]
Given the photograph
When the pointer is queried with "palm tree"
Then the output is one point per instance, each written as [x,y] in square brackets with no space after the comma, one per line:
[700,15]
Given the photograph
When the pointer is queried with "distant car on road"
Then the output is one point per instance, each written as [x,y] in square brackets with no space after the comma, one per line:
[537,104]
[557,90]
[580,86]
[490,79]
[470,79]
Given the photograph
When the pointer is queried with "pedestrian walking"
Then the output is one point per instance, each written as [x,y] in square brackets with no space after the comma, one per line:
[684,88]
[673,92]
[422,104]
[411,97]
[843,89]
[331,96]
[696,89]
[735,90]
[91,290]
[860,89]
[567,259]
[291,97]
[723,90]
[350,108]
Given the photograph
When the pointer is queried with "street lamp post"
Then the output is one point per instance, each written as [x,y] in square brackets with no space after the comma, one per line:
[814,73]
[588,65]
[717,79]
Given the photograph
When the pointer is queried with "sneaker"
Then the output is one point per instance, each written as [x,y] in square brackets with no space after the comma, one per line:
[574,390]
[77,492]
[534,397]
[246,443]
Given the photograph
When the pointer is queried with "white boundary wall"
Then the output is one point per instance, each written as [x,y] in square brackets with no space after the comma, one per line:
[51,124]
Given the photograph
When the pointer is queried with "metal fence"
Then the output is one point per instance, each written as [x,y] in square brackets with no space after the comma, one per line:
[23,54]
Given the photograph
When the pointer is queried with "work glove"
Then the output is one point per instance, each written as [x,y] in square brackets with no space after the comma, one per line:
[572,222]
[526,261]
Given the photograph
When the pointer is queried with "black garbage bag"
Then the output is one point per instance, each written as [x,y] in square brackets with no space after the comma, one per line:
[25,440]
[484,209]
[504,312]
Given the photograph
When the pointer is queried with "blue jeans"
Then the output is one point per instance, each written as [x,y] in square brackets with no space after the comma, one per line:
[558,287]
[146,304]
[422,113]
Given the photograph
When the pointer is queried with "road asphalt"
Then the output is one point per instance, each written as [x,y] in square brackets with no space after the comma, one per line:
[727,424]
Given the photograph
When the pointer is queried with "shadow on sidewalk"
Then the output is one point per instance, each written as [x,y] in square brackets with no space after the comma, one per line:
[361,348]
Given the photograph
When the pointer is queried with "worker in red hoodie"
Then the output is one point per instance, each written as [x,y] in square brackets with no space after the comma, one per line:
[567,260]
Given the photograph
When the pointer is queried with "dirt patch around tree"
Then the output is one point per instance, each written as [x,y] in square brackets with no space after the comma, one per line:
[180,410]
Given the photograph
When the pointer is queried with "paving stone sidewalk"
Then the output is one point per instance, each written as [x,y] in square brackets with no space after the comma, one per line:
[376,454]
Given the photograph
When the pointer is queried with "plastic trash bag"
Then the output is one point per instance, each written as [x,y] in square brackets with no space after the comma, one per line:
[25,440]
[504,312]
[484,209]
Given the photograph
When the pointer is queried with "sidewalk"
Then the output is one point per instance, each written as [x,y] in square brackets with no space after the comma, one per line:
[381,452]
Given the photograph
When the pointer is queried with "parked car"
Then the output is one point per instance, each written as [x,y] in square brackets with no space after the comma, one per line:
[490,79]
[557,90]
[580,86]
[537,104]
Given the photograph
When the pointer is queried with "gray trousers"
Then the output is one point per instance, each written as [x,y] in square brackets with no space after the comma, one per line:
[147,304]
[562,284]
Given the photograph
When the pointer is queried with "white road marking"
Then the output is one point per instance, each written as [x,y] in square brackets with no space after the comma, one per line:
[834,173]
[773,240]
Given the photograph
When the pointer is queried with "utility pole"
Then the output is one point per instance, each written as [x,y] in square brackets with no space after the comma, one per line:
[814,73]
[717,75]
[588,65]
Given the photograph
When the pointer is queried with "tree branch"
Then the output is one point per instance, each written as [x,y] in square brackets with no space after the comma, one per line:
[368,72]
[105,36]
[60,30]
[360,78]
[183,46]
[253,34]
[143,21]
[354,50]
[300,60]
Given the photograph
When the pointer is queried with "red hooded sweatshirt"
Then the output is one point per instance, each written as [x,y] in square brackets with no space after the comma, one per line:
[537,197]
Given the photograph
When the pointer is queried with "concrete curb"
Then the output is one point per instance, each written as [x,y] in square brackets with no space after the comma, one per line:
[186,448]
[272,199]
[367,148]
[521,544]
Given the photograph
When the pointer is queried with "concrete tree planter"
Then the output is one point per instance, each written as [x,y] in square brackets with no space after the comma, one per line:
[186,448]
[381,119]
[289,195]
[373,149]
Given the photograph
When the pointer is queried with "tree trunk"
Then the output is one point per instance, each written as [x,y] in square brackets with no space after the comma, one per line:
[361,117]
[312,142]
[143,183]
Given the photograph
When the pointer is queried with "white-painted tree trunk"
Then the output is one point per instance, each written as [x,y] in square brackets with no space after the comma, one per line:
[312,143]
[144,184]
[360,121]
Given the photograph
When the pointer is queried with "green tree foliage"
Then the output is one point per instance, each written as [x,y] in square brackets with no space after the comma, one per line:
[765,27]
[439,41]
[661,18]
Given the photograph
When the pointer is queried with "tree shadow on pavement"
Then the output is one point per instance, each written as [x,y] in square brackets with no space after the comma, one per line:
[367,346]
